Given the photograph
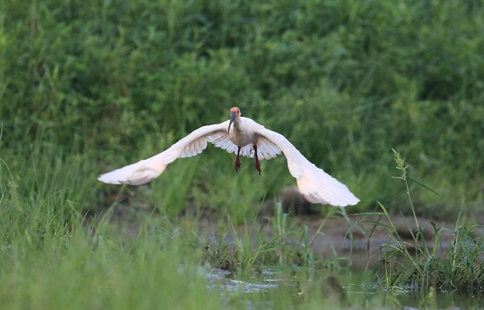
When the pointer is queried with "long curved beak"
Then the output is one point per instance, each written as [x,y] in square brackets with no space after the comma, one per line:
[232,118]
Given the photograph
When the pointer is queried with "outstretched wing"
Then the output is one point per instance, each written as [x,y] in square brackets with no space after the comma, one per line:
[146,170]
[314,184]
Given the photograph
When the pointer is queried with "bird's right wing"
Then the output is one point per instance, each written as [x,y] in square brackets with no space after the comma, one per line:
[146,170]
[314,184]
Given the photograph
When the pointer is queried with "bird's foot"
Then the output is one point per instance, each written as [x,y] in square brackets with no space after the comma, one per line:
[257,165]
[237,165]
[237,160]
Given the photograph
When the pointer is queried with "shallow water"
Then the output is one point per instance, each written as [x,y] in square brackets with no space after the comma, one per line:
[348,289]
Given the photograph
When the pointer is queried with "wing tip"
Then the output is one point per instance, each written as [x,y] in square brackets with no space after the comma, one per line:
[335,201]
[347,203]
[135,182]
[104,179]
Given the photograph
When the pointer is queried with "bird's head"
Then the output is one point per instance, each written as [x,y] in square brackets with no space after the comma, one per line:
[234,113]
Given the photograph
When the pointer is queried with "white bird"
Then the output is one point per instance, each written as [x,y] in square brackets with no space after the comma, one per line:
[247,138]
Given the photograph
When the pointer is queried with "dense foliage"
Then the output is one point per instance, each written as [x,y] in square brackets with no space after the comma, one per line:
[111,81]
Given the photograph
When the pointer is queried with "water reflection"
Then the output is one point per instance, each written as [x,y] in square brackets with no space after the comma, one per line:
[348,289]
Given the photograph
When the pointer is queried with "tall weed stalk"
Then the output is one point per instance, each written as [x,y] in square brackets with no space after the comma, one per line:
[422,264]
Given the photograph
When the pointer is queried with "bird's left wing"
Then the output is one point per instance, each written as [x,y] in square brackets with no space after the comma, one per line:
[146,170]
[314,184]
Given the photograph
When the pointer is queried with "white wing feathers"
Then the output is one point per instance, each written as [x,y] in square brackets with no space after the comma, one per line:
[146,170]
[138,173]
[265,148]
[314,184]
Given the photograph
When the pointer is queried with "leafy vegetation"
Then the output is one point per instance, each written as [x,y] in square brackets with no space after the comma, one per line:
[345,81]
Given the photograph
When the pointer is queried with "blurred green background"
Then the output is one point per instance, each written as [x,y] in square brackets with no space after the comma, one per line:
[88,86]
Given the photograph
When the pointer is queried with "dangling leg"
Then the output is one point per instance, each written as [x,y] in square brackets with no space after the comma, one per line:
[257,162]
[237,161]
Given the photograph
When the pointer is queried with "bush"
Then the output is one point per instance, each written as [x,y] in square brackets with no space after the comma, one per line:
[345,80]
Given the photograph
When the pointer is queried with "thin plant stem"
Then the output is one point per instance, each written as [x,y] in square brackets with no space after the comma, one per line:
[401,166]
[320,227]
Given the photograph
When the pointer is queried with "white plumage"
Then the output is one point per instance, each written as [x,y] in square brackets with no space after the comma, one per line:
[247,138]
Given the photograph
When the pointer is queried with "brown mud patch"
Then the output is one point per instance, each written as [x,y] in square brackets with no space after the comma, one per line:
[357,239]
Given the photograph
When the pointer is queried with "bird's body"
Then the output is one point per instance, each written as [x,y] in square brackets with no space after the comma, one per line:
[244,132]
[246,138]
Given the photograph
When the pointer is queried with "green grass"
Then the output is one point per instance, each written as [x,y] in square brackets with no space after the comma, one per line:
[416,266]
[79,271]
[52,257]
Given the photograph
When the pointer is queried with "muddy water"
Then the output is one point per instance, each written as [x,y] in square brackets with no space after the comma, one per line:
[348,289]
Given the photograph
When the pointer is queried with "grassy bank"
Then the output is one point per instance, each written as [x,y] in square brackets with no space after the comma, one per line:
[52,257]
